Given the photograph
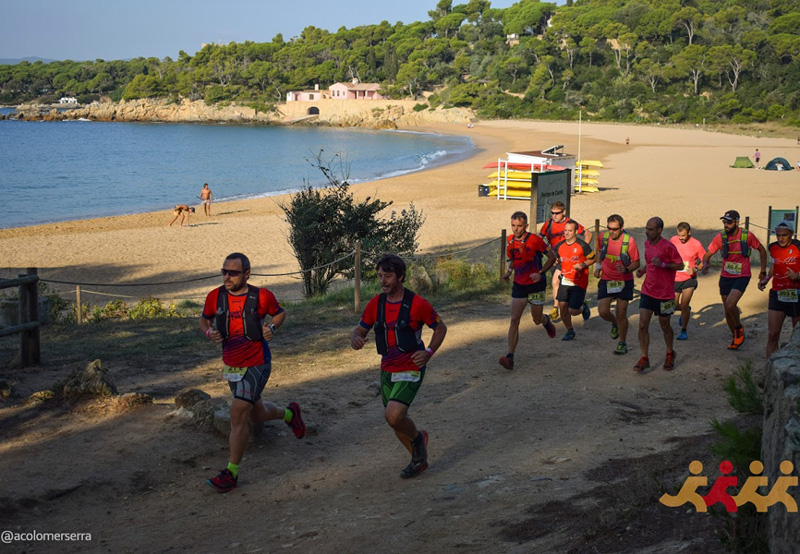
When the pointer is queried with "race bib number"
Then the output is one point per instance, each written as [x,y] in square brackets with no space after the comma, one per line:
[668,307]
[233,374]
[411,376]
[537,298]
[686,267]
[788,295]
[734,268]
[567,282]
[614,287]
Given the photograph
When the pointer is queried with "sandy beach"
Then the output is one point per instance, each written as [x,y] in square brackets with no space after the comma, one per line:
[674,173]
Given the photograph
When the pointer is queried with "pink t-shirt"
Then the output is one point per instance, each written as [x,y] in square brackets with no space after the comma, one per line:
[612,266]
[690,252]
[735,265]
[660,283]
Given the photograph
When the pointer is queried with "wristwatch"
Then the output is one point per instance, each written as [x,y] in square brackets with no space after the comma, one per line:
[272,328]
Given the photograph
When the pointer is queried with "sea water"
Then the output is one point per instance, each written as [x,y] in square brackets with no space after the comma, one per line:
[64,170]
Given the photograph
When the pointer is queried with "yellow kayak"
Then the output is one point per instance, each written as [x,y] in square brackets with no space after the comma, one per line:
[511,193]
[588,181]
[511,175]
[589,173]
[589,163]
[509,185]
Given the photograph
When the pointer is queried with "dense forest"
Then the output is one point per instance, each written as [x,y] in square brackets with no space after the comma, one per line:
[623,60]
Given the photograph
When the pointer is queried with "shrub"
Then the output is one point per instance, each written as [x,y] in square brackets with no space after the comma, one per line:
[151,308]
[325,224]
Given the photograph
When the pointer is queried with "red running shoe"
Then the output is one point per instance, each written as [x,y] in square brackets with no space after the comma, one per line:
[642,364]
[669,361]
[506,363]
[297,424]
[223,482]
[550,328]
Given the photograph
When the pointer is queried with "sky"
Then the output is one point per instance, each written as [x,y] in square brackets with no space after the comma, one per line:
[122,29]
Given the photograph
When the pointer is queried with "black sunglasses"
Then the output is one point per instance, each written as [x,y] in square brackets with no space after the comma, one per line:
[231,272]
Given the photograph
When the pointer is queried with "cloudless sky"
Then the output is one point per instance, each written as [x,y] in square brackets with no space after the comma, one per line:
[122,29]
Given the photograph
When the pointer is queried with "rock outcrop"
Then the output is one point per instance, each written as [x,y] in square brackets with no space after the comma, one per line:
[379,114]
[781,438]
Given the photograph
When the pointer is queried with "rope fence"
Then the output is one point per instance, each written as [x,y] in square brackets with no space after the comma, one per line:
[357,255]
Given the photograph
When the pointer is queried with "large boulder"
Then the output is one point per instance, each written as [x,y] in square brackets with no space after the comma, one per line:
[92,382]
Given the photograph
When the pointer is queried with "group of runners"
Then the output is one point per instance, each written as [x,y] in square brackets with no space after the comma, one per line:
[669,268]
[244,318]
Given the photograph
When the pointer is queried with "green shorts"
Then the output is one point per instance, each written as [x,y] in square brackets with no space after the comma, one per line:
[400,391]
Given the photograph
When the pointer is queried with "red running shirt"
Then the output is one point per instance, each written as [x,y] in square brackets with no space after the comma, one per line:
[659,283]
[553,232]
[238,350]
[690,252]
[526,256]
[735,265]
[783,259]
[569,255]
[422,313]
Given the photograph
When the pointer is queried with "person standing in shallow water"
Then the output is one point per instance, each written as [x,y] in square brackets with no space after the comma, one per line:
[206,196]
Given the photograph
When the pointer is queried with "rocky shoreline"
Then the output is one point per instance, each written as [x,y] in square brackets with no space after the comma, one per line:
[382,114]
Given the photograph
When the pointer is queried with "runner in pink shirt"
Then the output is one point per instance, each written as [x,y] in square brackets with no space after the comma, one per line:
[619,255]
[735,274]
[662,260]
[692,253]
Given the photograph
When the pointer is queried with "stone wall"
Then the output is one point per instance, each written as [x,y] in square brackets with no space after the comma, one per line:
[781,438]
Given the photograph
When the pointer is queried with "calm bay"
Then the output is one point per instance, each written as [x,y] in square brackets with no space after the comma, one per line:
[65,170]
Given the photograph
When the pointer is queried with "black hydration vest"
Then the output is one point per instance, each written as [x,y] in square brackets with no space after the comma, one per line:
[726,243]
[405,337]
[250,317]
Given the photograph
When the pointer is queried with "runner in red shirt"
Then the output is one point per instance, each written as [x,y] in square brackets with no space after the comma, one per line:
[404,356]
[574,256]
[552,232]
[735,274]
[238,322]
[618,258]
[692,253]
[524,251]
[785,275]
[662,260]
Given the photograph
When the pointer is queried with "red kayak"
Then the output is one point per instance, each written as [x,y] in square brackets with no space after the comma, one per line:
[517,166]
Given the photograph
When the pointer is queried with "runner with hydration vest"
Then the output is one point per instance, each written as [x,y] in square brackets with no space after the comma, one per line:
[397,315]
[735,245]
[617,259]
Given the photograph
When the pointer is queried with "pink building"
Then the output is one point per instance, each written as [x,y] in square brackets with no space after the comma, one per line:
[309,95]
[338,91]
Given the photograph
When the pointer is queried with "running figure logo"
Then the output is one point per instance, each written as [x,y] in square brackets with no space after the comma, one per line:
[718,494]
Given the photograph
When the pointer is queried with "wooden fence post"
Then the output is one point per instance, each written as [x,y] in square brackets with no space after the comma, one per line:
[79,310]
[29,344]
[502,253]
[357,283]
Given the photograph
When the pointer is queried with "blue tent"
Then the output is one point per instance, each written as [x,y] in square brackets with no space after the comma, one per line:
[779,164]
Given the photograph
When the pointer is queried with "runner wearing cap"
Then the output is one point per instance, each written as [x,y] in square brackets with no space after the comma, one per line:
[785,272]
[618,258]
[692,253]
[735,275]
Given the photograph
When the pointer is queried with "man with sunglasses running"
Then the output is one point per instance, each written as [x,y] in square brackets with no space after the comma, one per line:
[618,257]
[735,247]
[553,233]
[234,315]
